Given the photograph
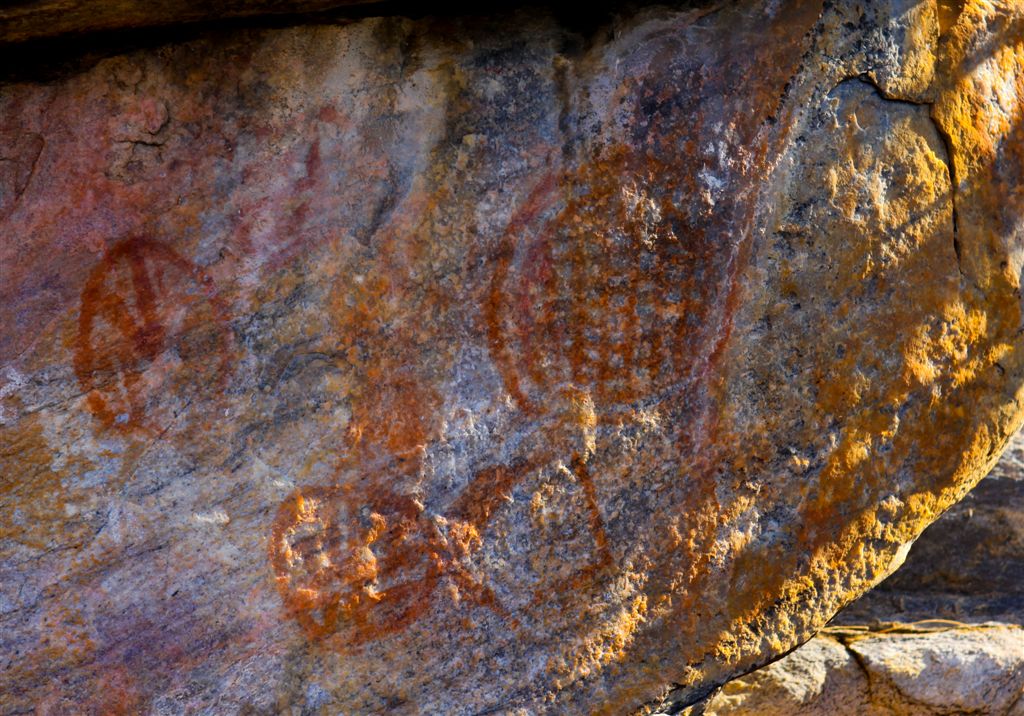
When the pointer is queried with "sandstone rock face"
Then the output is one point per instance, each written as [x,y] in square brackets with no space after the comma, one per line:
[491,365]
[965,670]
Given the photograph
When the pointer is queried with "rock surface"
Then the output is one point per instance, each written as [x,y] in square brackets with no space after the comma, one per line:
[968,565]
[24,20]
[494,365]
[909,671]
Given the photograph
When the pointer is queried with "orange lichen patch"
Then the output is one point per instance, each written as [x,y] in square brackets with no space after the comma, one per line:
[66,642]
[949,12]
[151,330]
[606,646]
[67,636]
[874,381]
[966,338]
[980,109]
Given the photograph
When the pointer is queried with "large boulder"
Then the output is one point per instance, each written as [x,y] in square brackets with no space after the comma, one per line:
[494,365]
[926,670]
[923,641]
[967,566]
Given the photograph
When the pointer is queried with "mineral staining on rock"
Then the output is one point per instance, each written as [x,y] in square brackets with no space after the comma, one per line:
[479,366]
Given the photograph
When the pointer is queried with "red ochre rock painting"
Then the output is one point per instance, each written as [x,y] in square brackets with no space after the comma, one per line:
[152,333]
[598,288]
[367,568]
[357,563]
[493,364]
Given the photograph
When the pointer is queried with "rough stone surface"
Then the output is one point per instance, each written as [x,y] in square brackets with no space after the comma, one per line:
[909,671]
[968,565]
[494,365]
[23,20]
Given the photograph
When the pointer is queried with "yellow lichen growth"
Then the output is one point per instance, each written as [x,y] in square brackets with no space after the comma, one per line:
[605,644]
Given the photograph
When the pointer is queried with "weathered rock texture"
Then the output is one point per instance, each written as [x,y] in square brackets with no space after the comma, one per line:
[23,20]
[487,366]
[924,670]
[968,565]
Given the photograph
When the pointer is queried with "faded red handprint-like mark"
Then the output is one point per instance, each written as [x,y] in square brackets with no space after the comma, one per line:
[366,568]
[151,331]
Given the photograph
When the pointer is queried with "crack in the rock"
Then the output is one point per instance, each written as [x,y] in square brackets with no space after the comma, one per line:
[947,143]
[141,142]
[858,659]
[846,639]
